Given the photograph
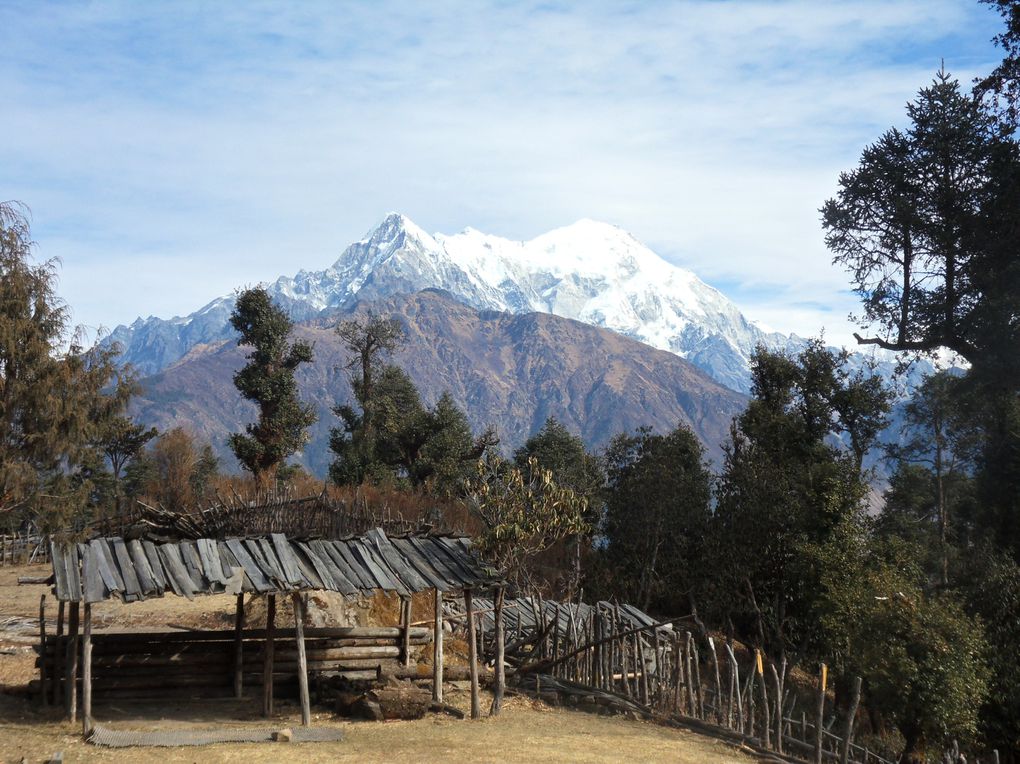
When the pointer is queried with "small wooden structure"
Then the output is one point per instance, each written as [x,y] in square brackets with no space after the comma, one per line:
[135,570]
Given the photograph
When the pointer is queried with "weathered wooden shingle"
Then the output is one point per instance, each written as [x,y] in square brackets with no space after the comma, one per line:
[137,570]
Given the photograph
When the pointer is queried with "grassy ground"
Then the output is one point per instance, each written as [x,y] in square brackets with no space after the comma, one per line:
[527,731]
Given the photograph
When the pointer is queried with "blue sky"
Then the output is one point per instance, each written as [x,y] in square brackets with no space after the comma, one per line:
[171,152]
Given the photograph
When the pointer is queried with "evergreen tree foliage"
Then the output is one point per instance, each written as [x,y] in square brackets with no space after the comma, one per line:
[52,400]
[268,381]
[657,515]
[906,225]
[395,438]
[785,485]
[555,448]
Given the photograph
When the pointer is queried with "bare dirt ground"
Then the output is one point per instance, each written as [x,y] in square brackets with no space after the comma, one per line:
[527,730]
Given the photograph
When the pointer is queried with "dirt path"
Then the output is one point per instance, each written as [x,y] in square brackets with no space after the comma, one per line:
[527,731]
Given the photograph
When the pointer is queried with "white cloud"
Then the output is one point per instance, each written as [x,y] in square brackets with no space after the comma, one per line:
[171,152]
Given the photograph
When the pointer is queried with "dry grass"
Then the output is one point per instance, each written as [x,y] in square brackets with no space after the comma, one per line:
[527,731]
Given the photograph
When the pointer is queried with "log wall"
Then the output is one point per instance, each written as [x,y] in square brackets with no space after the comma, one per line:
[201,663]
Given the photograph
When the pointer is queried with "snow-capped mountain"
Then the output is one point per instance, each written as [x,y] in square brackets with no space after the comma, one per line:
[589,271]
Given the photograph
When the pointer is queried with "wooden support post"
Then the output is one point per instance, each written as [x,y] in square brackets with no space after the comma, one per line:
[42,649]
[820,714]
[268,656]
[71,663]
[848,730]
[766,725]
[405,625]
[692,706]
[500,679]
[778,684]
[472,654]
[58,655]
[86,673]
[299,628]
[736,686]
[437,650]
[718,682]
[238,646]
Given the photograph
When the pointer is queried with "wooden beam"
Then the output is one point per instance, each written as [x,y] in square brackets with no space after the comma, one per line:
[71,663]
[405,631]
[500,683]
[437,650]
[299,628]
[58,665]
[86,673]
[472,654]
[42,648]
[267,667]
[238,646]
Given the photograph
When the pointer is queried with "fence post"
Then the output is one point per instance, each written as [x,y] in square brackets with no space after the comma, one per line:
[819,718]
[848,731]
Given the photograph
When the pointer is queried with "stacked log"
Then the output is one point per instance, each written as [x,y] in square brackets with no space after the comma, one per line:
[202,662]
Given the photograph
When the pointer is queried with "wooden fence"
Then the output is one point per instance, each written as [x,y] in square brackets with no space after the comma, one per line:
[23,548]
[612,655]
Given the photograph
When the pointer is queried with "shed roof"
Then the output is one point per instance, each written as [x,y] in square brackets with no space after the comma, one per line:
[138,569]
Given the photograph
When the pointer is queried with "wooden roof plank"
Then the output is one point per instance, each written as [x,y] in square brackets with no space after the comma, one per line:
[210,557]
[142,567]
[95,590]
[132,586]
[229,564]
[453,581]
[310,578]
[105,565]
[175,567]
[355,570]
[59,572]
[159,576]
[322,569]
[334,562]
[288,562]
[263,552]
[254,573]
[462,573]
[415,558]
[193,564]
[383,578]
[393,557]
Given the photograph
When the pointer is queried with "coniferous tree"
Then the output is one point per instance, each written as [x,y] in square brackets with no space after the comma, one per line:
[52,399]
[395,437]
[268,381]
[657,513]
[785,484]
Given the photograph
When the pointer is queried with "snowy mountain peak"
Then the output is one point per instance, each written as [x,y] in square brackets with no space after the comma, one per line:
[590,271]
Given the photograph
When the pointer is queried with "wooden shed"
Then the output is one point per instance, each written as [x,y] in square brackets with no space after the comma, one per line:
[271,565]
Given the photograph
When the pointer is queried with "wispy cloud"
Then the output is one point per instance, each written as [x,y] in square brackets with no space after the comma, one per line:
[173,151]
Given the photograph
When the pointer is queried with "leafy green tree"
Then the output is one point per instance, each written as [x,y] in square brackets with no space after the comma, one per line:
[523,512]
[268,381]
[657,513]
[557,449]
[990,583]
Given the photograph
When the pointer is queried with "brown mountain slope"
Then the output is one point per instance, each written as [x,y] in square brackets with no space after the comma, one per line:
[509,371]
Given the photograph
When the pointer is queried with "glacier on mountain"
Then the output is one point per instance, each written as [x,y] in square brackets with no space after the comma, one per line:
[589,271]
